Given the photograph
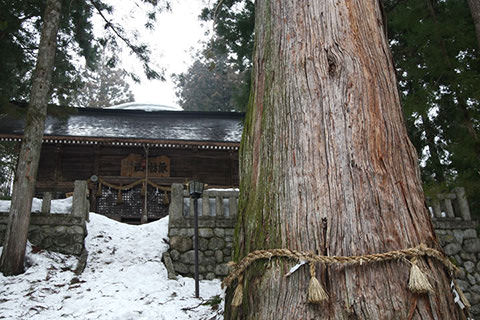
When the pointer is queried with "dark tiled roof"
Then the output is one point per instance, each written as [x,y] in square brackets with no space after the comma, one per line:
[87,123]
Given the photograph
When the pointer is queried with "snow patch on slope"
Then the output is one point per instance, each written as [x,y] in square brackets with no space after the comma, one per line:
[124,279]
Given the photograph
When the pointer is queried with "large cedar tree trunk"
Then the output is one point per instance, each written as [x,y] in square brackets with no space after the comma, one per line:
[326,166]
[475,10]
[13,253]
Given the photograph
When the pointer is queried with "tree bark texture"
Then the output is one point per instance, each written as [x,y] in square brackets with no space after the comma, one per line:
[327,166]
[475,10]
[13,253]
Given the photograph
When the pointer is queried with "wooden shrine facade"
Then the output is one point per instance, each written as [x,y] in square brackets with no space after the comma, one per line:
[113,157]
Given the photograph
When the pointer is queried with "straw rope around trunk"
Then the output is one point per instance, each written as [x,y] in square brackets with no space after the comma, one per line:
[418,281]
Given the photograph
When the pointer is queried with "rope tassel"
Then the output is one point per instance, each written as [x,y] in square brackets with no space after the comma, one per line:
[418,282]
[316,293]
[238,294]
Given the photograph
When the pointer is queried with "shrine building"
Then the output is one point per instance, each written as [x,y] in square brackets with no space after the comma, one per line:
[130,158]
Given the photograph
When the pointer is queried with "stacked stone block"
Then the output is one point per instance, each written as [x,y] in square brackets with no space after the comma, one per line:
[54,232]
[64,233]
[215,233]
[215,250]
[460,242]
[456,233]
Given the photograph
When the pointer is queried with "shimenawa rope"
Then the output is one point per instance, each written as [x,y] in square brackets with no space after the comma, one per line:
[418,281]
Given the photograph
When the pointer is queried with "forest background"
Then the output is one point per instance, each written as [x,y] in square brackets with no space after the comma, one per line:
[433,42]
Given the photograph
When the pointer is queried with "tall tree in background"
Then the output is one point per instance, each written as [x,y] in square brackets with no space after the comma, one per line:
[104,87]
[211,84]
[475,10]
[13,254]
[438,66]
[232,42]
[20,23]
[8,163]
[327,167]
[233,23]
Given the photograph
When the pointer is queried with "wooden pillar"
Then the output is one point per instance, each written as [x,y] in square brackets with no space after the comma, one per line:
[94,188]
[144,217]
[57,174]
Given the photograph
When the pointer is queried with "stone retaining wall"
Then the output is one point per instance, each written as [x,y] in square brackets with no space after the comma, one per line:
[64,233]
[55,232]
[461,243]
[217,216]
[458,236]
[456,232]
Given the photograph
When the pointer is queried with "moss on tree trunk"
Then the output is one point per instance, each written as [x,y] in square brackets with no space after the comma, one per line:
[326,166]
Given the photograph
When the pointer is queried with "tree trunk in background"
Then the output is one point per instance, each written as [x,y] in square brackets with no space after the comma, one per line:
[462,101]
[13,253]
[475,10]
[430,134]
[326,166]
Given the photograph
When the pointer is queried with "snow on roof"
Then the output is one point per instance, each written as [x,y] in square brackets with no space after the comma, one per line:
[124,123]
[150,107]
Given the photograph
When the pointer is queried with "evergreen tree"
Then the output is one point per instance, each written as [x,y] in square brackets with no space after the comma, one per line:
[437,64]
[233,38]
[54,18]
[327,168]
[20,22]
[13,253]
[210,84]
[104,87]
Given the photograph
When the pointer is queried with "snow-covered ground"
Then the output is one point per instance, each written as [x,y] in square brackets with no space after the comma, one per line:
[124,279]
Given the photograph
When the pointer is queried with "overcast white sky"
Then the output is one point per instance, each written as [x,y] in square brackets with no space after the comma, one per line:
[171,43]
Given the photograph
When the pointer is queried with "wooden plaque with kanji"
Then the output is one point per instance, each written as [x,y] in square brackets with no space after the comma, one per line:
[134,166]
